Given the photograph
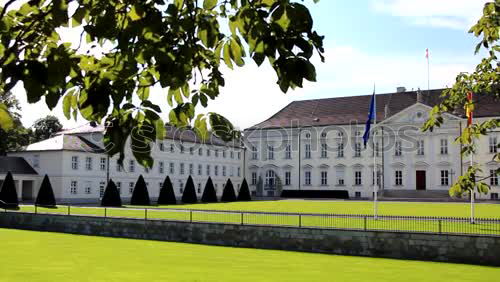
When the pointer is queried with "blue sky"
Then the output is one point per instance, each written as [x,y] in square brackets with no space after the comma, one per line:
[367,42]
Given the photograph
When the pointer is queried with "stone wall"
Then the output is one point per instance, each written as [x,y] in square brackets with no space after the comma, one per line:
[447,248]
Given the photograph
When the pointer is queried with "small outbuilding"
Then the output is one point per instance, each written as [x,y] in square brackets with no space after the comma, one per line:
[26,178]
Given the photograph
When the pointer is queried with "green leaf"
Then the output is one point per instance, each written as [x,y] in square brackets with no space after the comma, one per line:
[6,121]
[227,55]
[136,13]
[209,4]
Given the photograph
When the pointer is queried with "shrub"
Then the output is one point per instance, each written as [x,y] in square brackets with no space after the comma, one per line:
[244,194]
[228,194]
[111,197]
[209,194]
[8,193]
[140,196]
[189,195]
[45,197]
[167,195]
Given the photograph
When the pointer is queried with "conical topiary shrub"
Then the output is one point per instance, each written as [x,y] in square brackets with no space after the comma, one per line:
[244,194]
[228,194]
[45,197]
[189,195]
[140,196]
[167,195]
[209,194]
[8,193]
[111,197]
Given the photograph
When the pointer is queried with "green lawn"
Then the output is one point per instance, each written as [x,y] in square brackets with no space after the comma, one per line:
[40,256]
[321,207]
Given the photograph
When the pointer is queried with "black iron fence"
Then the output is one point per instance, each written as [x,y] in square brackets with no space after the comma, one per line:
[413,224]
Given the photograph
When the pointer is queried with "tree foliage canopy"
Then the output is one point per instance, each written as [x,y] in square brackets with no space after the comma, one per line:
[46,127]
[167,194]
[45,195]
[179,45]
[485,80]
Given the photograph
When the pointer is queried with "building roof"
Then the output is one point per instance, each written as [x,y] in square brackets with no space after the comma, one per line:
[345,110]
[16,165]
[65,142]
[86,128]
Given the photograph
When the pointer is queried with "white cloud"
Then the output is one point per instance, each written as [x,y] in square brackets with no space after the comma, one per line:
[456,14]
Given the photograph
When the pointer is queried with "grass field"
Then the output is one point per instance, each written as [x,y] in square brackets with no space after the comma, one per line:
[452,210]
[40,256]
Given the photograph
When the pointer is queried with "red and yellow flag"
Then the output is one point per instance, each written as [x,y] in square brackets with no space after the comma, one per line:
[469,109]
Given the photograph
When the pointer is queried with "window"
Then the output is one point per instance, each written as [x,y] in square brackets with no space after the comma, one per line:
[216,153]
[232,154]
[357,194]
[102,164]
[224,171]
[182,168]
[181,187]
[494,196]
[288,151]
[340,176]
[308,151]
[239,172]
[74,162]
[324,178]
[288,176]
[146,170]
[191,150]
[208,152]
[131,166]
[88,188]
[308,135]
[324,150]
[493,177]
[119,187]
[73,188]
[216,170]
[191,169]
[357,178]
[493,144]
[172,149]
[182,149]
[398,177]
[254,153]
[161,167]
[270,152]
[357,149]
[254,178]
[323,135]
[231,172]
[270,178]
[200,169]
[307,178]
[340,150]
[378,177]
[102,187]
[444,146]
[171,168]
[398,149]
[160,185]
[208,170]
[199,188]
[239,155]
[36,161]
[162,146]
[445,180]
[118,166]
[131,188]
[224,154]
[200,152]
[420,147]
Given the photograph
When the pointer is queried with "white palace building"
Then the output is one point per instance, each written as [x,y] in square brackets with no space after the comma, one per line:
[308,145]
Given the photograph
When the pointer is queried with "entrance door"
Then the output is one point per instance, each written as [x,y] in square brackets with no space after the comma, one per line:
[27,193]
[420,180]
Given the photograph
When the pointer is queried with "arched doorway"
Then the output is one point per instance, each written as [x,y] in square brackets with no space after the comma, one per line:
[270,182]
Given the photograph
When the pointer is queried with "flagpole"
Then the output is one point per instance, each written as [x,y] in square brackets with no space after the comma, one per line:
[428,72]
[375,190]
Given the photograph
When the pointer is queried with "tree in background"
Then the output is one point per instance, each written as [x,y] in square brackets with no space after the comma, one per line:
[45,195]
[167,195]
[45,128]
[140,196]
[209,194]
[111,197]
[484,83]
[14,136]
[244,193]
[228,194]
[8,193]
[174,45]
[189,195]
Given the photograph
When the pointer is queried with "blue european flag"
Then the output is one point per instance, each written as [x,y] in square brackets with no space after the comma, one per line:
[371,116]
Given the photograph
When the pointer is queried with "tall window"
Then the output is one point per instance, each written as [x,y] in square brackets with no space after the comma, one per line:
[493,144]
[288,151]
[74,162]
[161,167]
[223,170]
[171,168]
[118,166]
[340,176]
[182,149]
[324,178]
[398,177]
[131,166]
[36,161]
[191,150]
[216,170]
[340,150]
[270,152]
[398,151]
[200,169]
[493,177]
[131,188]
[208,152]
[232,154]
[208,170]
[102,164]
[73,187]
[357,149]
[224,154]
[119,187]
[270,178]
[357,178]
[216,153]
[191,169]
[254,153]
[324,150]
[420,147]
[200,152]
[288,178]
[444,146]
[239,172]
[308,151]
[172,149]
[445,180]
[199,188]
[102,187]
[307,178]
[239,155]
[161,146]
[182,168]
[254,178]
[88,187]
[88,163]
